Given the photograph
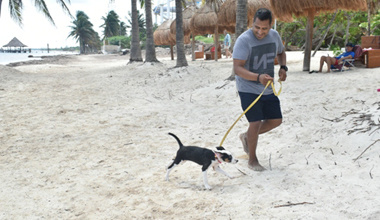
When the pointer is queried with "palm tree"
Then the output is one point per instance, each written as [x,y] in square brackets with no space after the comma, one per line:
[181,56]
[150,52]
[82,31]
[135,44]
[241,17]
[111,25]
[141,24]
[15,7]
[123,29]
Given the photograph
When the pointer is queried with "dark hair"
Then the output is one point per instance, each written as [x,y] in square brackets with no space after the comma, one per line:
[350,45]
[263,14]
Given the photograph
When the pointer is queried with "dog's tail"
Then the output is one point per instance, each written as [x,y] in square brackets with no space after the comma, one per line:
[178,140]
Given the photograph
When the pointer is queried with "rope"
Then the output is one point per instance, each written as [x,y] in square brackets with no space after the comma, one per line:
[252,104]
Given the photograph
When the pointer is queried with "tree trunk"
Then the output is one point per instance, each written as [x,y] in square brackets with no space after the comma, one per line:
[181,56]
[150,53]
[324,36]
[368,16]
[192,47]
[332,38]
[135,44]
[241,25]
[349,16]
[0,6]
[241,17]
[309,39]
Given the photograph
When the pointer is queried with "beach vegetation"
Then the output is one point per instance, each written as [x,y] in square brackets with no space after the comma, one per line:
[124,41]
[16,6]
[331,30]
[208,40]
[111,25]
[82,31]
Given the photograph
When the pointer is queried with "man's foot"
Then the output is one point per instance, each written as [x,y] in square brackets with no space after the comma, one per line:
[243,138]
[256,167]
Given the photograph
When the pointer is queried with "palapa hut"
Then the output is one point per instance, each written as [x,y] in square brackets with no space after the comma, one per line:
[205,21]
[162,36]
[227,13]
[15,43]
[186,16]
[284,9]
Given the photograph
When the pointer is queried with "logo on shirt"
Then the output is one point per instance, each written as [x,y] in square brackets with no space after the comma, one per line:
[262,59]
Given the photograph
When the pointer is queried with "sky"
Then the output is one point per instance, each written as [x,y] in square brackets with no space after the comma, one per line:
[38,32]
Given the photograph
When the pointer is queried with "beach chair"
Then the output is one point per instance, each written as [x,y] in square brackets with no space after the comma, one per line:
[349,62]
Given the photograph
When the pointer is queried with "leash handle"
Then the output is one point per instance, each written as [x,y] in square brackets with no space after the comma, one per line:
[251,105]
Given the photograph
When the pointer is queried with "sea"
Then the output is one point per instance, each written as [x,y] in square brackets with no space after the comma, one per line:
[35,54]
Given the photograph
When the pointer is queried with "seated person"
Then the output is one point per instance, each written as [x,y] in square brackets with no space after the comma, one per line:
[349,54]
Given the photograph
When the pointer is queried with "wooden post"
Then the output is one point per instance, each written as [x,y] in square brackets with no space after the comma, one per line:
[216,42]
[192,46]
[171,52]
[309,39]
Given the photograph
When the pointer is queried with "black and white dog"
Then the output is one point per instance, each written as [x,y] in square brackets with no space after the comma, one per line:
[202,156]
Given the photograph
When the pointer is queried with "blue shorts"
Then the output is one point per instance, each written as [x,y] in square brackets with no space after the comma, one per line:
[267,107]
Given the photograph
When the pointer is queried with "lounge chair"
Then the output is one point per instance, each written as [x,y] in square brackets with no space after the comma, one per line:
[349,62]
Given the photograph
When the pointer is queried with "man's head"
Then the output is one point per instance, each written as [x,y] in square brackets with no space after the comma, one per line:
[349,46]
[225,32]
[262,22]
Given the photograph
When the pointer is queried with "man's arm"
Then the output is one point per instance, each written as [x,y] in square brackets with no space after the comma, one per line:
[248,75]
[342,57]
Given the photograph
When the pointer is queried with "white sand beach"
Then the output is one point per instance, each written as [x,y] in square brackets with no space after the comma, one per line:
[85,137]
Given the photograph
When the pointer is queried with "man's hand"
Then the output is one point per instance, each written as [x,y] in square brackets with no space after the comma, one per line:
[264,78]
[282,74]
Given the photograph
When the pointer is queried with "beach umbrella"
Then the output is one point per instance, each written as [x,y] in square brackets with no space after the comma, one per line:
[227,13]
[15,43]
[205,21]
[285,9]
[162,36]
[186,16]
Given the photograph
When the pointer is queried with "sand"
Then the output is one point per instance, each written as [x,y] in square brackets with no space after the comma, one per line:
[85,137]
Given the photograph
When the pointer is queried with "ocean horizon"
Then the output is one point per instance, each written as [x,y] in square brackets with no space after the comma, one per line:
[6,58]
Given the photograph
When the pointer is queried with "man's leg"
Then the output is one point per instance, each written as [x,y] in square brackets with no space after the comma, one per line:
[321,62]
[329,62]
[256,128]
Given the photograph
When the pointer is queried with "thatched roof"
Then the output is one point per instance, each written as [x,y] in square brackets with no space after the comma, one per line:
[227,13]
[186,16]
[205,20]
[162,35]
[285,9]
[15,43]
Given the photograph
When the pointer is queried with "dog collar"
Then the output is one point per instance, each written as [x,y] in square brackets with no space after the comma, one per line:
[217,158]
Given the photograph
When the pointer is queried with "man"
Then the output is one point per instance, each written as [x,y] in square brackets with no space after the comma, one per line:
[227,43]
[349,54]
[254,54]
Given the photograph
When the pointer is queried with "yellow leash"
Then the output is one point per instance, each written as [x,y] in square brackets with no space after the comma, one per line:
[252,104]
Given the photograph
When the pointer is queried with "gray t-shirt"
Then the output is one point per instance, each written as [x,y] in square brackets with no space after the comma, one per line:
[259,56]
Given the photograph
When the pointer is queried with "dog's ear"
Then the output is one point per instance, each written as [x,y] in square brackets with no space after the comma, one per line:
[220,148]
